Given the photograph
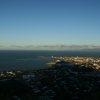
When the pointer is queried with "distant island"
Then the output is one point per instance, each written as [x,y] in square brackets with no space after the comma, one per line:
[94,49]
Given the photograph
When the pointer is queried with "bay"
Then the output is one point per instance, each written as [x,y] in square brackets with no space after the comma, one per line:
[28,60]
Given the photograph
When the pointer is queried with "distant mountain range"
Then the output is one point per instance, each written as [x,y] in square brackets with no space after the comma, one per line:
[92,49]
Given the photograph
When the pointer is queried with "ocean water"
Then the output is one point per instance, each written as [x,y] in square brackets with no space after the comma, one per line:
[28,60]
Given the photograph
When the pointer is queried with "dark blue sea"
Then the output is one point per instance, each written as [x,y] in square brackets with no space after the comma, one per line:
[28,60]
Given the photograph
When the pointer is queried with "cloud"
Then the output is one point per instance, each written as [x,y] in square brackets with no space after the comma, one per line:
[16,46]
[95,46]
[58,46]
[53,47]
[29,46]
[70,45]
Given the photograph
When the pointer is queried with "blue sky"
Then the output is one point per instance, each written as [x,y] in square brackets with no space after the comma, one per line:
[49,24]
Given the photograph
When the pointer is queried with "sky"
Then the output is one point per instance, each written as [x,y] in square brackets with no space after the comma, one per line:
[49,24]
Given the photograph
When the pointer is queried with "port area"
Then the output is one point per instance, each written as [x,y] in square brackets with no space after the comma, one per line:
[93,62]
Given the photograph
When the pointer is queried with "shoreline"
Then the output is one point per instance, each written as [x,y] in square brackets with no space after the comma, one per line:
[53,60]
